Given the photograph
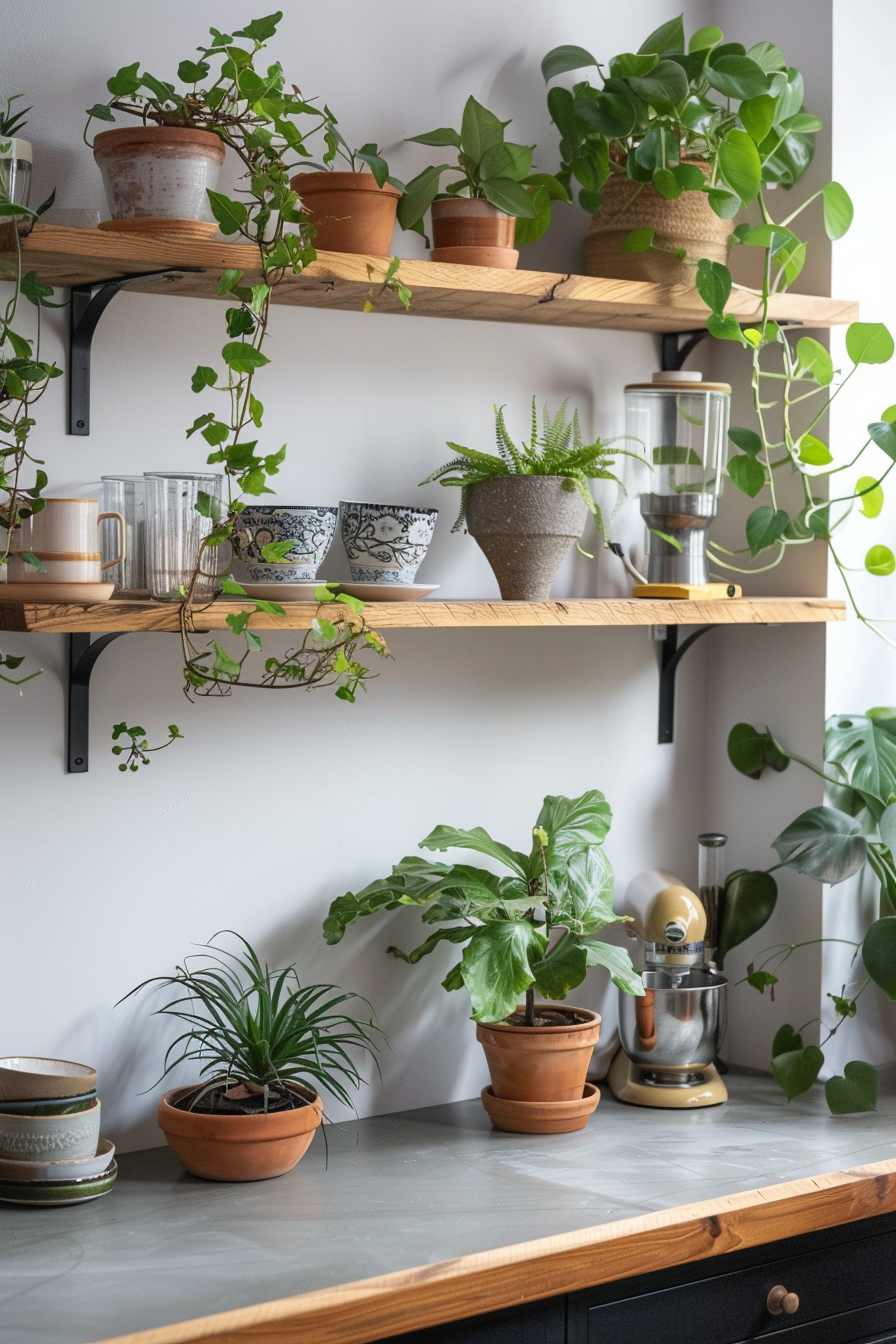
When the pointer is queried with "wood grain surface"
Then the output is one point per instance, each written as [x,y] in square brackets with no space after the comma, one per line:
[431,615]
[391,1304]
[64,257]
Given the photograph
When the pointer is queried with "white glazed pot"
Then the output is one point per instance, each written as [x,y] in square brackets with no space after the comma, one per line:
[311,529]
[42,1138]
[385,543]
[160,172]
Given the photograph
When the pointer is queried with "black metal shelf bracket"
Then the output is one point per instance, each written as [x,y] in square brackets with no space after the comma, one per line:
[670,654]
[677,345]
[88,303]
[83,652]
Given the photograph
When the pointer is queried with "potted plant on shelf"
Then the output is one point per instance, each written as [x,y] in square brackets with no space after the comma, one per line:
[672,143]
[15,171]
[266,1044]
[496,203]
[352,210]
[536,929]
[526,504]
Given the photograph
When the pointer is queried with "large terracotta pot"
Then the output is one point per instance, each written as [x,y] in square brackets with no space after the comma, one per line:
[689,223]
[473,233]
[152,172]
[540,1064]
[239,1147]
[525,525]
[349,211]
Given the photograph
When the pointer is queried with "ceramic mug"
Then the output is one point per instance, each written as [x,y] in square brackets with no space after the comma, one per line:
[67,567]
[310,527]
[385,543]
[69,530]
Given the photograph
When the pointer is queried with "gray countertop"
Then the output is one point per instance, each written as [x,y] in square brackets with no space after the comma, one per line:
[399,1191]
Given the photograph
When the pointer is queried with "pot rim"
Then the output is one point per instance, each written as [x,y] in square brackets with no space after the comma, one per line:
[322,181]
[312,1098]
[109,142]
[594,1020]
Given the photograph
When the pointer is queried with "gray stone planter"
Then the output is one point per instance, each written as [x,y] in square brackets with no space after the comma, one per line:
[525,525]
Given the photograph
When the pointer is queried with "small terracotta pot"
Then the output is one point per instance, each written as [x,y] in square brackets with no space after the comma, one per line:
[473,232]
[349,211]
[239,1147]
[158,171]
[540,1064]
[541,1117]
[689,223]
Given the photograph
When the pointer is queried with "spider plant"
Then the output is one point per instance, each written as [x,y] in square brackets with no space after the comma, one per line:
[556,449]
[12,119]
[250,1025]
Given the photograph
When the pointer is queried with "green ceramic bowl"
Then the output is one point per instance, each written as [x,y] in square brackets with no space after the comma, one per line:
[55,1106]
[58,1192]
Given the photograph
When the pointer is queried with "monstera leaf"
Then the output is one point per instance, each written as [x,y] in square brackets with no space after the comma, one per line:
[879,954]
[750,751]
[823,843]
[864,747]
[496,966]
[571,825]
[748,904]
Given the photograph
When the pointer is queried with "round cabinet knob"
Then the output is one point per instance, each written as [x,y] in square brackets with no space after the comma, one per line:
[780,1300]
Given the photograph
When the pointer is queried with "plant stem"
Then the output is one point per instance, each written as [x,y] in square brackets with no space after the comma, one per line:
[530,1006]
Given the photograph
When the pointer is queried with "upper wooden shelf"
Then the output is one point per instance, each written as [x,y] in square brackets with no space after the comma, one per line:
[431,615]
[64,257]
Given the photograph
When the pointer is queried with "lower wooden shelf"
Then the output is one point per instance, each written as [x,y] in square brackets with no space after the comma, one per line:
[432,615]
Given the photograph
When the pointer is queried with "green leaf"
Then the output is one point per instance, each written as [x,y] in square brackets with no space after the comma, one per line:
[637,240]
[813,452]
[561,59]
[496,966]
[786,1039]
[229,281]
[443,136]
[192,72]
[880,561]
[758,116]
[747,440]
[582,892]
[419,195]
[768,57]
[480,130]
[762,980]
[572,824]
[668,37]
[689,177]
[506,160]
[884,435]
[666,84]
[260,30]
[740,166]
[747,474]
[126,82]
[838,210]
[628,64]
[203,377]
[617,961]
[797,1070]
[726,204]
[563,970]
[870,496]
[748,905]
[725,328]
[101,112]
[736,76]
[764,527]
[751,752]
[713,282]
[449,837]
[815,360]
[666,183]
[856,1091]
[823,843]
[231,215]
[509,196]
[863,746]
[242,357]
[879,954]
[869,343]
[705,38]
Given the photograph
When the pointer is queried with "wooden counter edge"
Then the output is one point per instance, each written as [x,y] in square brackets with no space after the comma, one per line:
[391,1304]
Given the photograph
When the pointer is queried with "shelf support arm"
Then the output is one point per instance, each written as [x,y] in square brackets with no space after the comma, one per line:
[83,652]
[670,655]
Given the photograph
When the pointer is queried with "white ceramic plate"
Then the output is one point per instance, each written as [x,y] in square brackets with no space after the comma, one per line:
[72,1169]
[389,592]
[56,592]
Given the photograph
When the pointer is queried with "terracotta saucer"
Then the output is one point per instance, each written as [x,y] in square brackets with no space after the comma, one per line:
[193,230]
[541,1117]
[84,593]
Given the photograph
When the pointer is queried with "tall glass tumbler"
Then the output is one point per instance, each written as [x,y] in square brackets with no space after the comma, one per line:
[125,495]
[174,535]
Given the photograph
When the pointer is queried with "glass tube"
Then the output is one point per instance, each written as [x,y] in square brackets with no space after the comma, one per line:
[174,535]
[711,884]
[124,495]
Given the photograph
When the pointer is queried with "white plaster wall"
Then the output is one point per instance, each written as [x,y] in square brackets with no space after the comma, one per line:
[273,805]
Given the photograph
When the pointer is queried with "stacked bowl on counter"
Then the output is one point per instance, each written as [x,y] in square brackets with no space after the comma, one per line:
[50,1146]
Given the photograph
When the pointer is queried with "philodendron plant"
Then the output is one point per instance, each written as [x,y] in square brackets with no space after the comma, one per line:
[536,927]
[854,830]
[488,168]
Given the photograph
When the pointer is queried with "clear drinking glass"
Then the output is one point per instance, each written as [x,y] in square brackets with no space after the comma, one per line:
[125,495]
[174,534]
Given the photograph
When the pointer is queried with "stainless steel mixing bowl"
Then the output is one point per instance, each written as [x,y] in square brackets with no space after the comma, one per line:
[674,1027]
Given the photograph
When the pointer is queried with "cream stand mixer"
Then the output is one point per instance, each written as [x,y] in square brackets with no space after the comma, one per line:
[670,1036]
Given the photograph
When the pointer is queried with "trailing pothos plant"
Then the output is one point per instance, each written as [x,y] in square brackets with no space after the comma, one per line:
[853,831]
[536,928]
[24,374]
[246,102]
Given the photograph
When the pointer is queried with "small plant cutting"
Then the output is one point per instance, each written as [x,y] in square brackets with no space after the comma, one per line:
[496,200]
[854,832]
[527,503]
[265,1045]
[535,929]
[673,141]
[245,105]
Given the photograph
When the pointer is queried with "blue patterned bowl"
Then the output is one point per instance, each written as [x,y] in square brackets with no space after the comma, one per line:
[311,528]
[385,543]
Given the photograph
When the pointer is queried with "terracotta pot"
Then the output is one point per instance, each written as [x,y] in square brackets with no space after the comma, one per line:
[349,211]
[540,1064]
[525,525]
[541,1117]
[239,1147]
[473,233]
[689,223]
[158,171]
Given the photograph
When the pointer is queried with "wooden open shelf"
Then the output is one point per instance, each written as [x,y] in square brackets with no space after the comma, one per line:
[431,615]
[65,257]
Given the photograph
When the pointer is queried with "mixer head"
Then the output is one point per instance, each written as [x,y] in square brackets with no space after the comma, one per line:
[669,919]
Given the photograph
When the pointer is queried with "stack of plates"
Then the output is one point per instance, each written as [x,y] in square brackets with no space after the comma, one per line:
[50,1146]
